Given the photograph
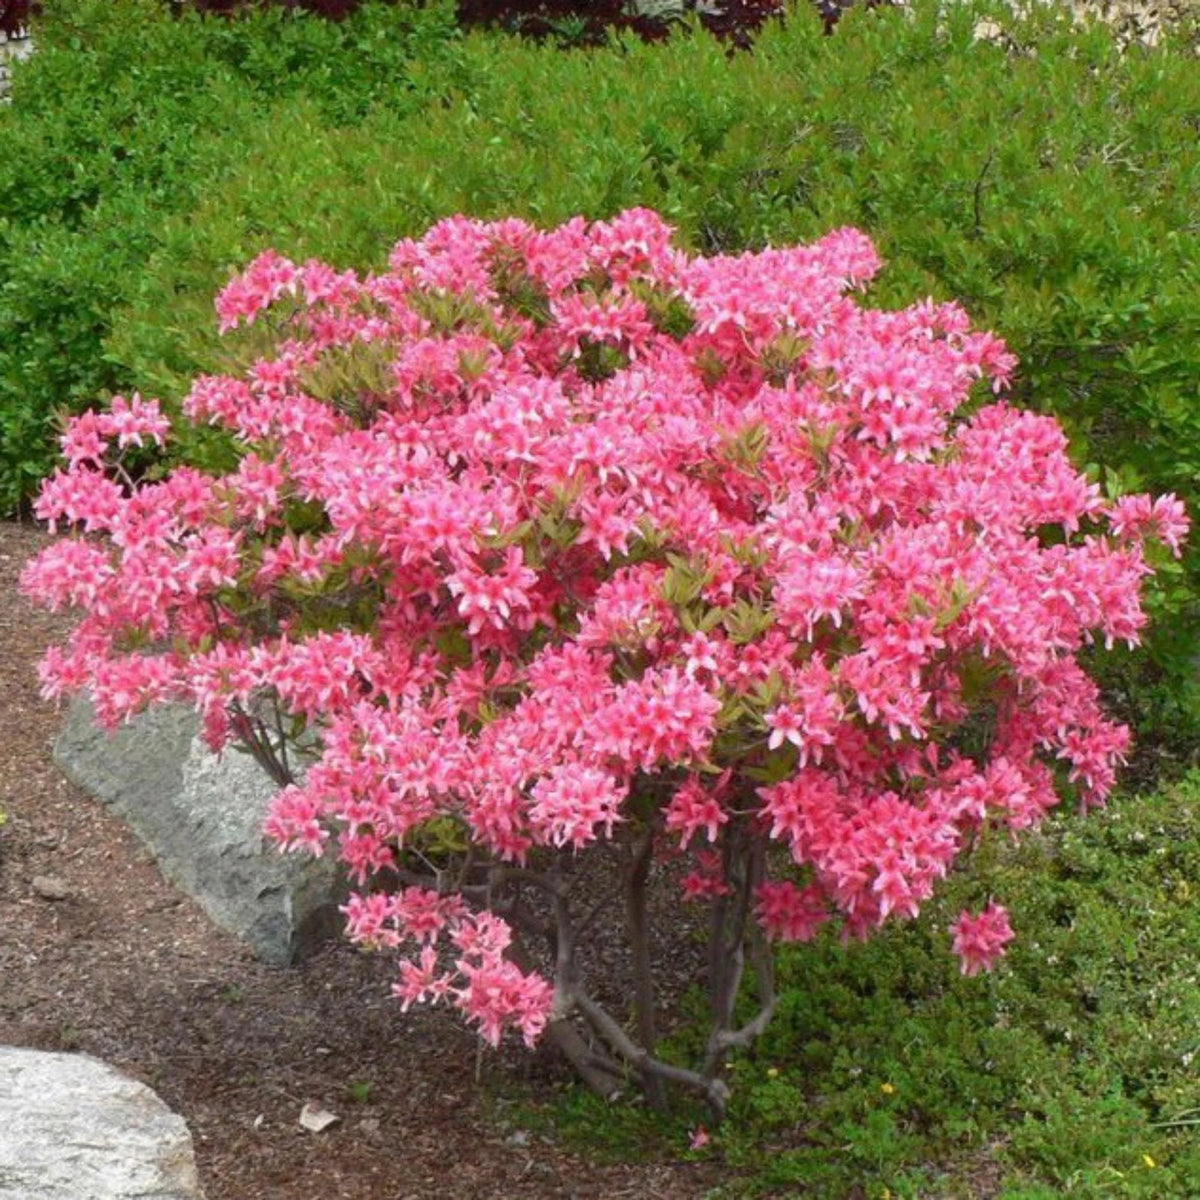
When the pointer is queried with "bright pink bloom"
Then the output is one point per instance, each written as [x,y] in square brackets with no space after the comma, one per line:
[980,942]
[791,914]
[693,810]
[611,537]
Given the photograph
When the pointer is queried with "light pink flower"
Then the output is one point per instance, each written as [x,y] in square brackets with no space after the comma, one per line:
[980,941]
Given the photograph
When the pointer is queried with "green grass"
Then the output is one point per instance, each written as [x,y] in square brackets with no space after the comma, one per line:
[1070,1071]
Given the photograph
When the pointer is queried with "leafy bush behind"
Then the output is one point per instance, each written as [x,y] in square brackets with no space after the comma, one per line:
[1053,192]
[125,117]
[1055,195]
[16,14]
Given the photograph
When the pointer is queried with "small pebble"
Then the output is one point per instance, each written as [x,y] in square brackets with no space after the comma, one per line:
[51,887]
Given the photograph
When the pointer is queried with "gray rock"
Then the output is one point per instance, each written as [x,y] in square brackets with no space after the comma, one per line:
[50,887]
[201,816]
[73,1128]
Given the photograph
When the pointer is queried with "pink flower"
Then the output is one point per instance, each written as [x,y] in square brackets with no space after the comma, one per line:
[786,725]
[571,803]
[693,810]
[267,278]
[294,822]
[492,598]
[707,881]
[1163,518]
[421,981]
[980,942]
[700,652]
[503,605]
[791,914]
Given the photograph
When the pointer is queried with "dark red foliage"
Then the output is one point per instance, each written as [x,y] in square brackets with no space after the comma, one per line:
[14,15]
[583,22]
[590,19]
[588,22]
[325,8]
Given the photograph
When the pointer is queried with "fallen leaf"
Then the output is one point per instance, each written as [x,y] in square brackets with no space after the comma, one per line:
[314,1117]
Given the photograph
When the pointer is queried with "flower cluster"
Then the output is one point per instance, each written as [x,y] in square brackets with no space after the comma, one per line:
[980,941]
[537,533]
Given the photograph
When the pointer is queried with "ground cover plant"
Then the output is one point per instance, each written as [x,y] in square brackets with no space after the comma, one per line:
[1071,1072]
[542,547]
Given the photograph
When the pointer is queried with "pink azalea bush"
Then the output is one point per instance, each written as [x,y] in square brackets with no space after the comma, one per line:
[555,556]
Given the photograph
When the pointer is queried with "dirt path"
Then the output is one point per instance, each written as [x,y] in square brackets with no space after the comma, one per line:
[128,970]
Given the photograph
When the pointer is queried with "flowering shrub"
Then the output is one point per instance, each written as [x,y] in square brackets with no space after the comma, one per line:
[544,547]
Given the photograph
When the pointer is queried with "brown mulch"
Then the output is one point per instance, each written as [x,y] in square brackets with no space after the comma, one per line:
[127,969]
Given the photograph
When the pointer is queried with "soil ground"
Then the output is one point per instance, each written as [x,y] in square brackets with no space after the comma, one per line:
[127,969]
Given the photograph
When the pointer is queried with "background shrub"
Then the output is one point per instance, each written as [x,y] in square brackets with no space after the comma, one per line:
[15,14]
[126,116]
[1054,194]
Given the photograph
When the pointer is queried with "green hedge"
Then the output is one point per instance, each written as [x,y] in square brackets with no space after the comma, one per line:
[126,117]
[1054,192]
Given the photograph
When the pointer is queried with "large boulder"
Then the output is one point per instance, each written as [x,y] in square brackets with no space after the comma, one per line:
[201,816]
[73,1128]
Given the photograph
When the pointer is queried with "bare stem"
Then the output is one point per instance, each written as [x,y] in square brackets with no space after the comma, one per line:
[254,734]
[637,925]
[714,1090]
[743,857]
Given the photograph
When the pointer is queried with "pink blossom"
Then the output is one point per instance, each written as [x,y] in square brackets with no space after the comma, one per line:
[693,810]
[502,603]
[492,597]
[267,278]
[570,803]
[1163,517]
[980,942]
[706,882]
[294,822]
[422,982]
[791,914]
[786,725]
